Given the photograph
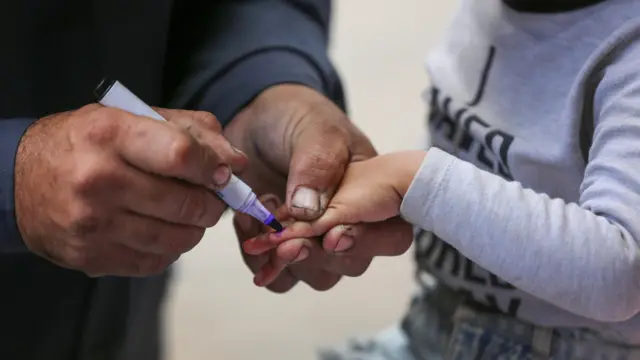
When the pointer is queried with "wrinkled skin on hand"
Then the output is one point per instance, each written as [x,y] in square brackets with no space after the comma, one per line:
[299,145]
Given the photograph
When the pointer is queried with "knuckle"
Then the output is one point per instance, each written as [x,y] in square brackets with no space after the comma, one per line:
[182,149]
[102,127]
[90,176]
[84,220]
[318,160]
[209,120]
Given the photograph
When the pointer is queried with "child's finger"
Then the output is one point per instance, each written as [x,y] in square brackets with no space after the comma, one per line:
[303,229]
[341,238]
[290,252]
[299,229]
[258,245]
[263,243]
[333,217]
[295,250]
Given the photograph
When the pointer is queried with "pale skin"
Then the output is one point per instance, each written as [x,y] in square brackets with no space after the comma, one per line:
[371,193]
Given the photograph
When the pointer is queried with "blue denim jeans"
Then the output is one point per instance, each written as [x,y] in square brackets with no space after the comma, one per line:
[440,326]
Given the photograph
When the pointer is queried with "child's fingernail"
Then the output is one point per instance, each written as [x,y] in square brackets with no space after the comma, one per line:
[221,175]
[344,239]
[274,236]
[344,243]
[305,198]
[304,253]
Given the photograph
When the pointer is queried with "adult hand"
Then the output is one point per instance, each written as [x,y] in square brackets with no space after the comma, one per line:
[371,192]
[299,145]
[109,193]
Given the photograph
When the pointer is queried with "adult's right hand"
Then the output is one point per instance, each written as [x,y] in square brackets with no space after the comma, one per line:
[109,193]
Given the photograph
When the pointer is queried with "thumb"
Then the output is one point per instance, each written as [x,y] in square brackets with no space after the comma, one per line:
[318,163]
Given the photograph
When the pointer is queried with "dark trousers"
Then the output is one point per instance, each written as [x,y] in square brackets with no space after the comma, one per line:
[47,312]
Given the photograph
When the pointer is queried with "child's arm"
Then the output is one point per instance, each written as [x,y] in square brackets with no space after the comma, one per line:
[365,206]
[582,257]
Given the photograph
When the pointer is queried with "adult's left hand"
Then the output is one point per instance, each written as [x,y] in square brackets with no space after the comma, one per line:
[299,144]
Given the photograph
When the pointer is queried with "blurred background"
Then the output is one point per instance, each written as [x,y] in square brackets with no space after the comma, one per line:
[215,311]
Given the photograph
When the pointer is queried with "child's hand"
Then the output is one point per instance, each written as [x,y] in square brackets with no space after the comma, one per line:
[371,192]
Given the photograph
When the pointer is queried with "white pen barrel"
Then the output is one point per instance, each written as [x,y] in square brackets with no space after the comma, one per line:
[236,194]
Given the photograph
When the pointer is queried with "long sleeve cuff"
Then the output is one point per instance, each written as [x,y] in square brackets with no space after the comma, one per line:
[11,131]
[418,201]
[225,96]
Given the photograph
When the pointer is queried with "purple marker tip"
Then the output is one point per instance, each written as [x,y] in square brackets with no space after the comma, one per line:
[274,224]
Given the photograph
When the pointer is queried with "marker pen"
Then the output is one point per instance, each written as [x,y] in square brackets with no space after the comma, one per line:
[236,194]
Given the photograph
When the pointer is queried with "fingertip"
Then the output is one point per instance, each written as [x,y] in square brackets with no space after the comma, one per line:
[293,251]
[256,246]
[277,237]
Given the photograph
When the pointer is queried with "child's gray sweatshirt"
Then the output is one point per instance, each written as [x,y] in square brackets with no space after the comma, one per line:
[513,212]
